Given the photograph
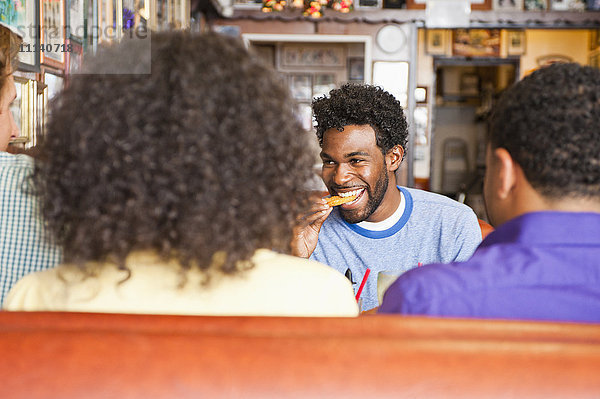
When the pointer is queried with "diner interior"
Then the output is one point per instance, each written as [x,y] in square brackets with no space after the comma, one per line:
[447,64]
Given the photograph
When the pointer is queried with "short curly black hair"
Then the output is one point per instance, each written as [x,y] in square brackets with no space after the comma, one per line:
[362,104]
[202,156]
[550,124]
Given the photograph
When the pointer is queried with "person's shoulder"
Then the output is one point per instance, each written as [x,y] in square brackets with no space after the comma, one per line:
[417,290]
[32,291]
[15,160]
[326,291]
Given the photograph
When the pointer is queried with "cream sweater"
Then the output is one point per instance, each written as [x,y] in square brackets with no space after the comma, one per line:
[278,285]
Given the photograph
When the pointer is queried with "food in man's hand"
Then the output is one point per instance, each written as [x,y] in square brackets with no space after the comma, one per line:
[337,200]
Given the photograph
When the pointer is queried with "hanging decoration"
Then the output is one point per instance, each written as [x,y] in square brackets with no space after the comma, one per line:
[310,8]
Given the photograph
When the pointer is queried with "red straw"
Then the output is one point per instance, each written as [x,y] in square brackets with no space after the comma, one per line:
[362,284]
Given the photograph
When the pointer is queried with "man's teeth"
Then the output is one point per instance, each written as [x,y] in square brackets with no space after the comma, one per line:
[351,193]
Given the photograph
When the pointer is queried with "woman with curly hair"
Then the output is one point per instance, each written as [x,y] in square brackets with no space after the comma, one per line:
[175,191]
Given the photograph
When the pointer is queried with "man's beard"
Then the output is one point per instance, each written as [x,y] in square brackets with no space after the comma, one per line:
[375,198]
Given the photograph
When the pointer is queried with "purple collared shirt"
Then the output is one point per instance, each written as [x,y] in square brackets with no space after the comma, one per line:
[538,266]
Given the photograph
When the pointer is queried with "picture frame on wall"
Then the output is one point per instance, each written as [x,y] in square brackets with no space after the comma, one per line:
[25,18]
[74,57]
[356,69]
[515,42]
[54,81]
[508,5]
[435,41]
[476,42]
[52,33]
[76,18]
[535,5]
[302,55]
[567,5]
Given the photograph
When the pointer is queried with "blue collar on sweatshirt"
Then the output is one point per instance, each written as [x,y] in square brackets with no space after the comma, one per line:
[392,230]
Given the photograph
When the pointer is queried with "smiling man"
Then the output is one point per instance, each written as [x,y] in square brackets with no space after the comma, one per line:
[362,132]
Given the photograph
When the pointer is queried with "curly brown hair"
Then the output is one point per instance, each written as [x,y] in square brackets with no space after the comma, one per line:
[201,156]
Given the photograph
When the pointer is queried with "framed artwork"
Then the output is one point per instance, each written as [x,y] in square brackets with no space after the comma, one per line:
[301,86]
[515,42]
[76,18]
[508,5]
[476,42]
[25,17]
[300,56]
[535,5]
[54,83]
[567,5]
[52,33]
[356,69]
[23,108]
[74,57]
[435,41]
[358,4]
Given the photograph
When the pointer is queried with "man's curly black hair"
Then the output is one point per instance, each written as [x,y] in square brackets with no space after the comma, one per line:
[202,155]
[550,124]
[361,104]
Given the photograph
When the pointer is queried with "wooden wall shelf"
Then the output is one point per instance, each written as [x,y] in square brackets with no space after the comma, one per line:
[479,19]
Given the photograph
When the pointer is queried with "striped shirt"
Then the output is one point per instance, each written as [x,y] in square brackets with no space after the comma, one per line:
[23,245]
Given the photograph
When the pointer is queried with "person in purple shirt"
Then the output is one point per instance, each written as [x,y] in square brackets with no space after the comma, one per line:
[542,191]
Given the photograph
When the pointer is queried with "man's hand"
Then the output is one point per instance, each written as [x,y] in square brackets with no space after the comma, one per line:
[306,232]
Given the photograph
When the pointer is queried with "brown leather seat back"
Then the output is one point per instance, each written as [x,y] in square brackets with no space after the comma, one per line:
[71,355]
